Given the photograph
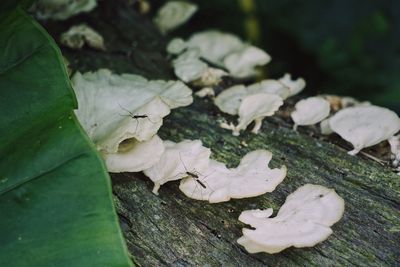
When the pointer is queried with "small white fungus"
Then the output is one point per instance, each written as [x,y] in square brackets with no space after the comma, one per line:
[176,46]
[62,9]
[214,45]
[173,14]
[134,156]
[249,104]
[256,108]
[242,63]
[365,126]
[77,36]
[188,66]
[270,87]
[303,221]
[295,86]
[229,100]
[251,178]
[310,111]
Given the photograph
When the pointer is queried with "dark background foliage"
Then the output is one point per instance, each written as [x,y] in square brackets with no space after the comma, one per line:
[346,47]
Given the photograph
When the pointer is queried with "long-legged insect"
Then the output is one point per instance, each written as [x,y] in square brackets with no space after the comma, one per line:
[192,174]
[135,116]
[195,175]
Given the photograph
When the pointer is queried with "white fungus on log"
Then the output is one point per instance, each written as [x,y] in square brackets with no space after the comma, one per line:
[270,86]
[223,50]
[310,111]
[173,14]
[255,108]
[365,126]
[303,221]
[176,46]
[295,86]
[62,9]
[77,36]
[251,178]
[250,103]
[242,63]
[134,156]
[114,108]
[188,66]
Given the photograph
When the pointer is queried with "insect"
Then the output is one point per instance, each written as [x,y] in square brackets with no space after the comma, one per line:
[135,116]
[201,188]
[193,174]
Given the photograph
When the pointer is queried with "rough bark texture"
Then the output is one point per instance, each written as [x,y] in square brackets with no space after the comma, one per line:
[173,230]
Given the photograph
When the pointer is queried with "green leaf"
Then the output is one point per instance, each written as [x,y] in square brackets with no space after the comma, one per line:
[55,194]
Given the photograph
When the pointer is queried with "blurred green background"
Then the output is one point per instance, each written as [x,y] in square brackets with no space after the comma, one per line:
[345,47]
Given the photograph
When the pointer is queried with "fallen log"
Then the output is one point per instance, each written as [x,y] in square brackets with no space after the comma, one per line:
[173,230]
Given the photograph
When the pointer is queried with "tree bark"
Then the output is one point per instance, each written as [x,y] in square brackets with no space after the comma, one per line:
[173,230]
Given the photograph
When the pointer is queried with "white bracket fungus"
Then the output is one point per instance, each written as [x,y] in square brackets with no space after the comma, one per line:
[173,14]
[214,45]
[229,100]
[114,108]
[188,66]
[365,126]
[270,87]
[179,160]
[134,156]
[310,111]
[248,104]
[242,63]
[295,86]
[176,46]
[224,50]
[79,35]
[62,9]
[251,178]
[256,108]
[303,221]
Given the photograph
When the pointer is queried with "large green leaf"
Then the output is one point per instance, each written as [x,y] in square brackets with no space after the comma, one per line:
[55,195]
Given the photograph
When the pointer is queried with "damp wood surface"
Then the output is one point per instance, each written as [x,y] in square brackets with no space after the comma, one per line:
[173,230]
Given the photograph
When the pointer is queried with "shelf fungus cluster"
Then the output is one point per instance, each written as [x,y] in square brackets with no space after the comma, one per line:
[122,114]
[256,101]
[303,221]
[207,56]
[360,123]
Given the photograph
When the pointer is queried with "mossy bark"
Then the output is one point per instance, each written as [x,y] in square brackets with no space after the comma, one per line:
[173,230]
